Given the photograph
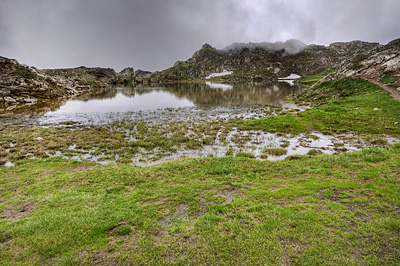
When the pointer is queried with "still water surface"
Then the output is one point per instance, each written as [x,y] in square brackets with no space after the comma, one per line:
[177,96]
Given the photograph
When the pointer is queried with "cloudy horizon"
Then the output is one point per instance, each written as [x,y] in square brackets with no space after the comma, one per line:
[154,34]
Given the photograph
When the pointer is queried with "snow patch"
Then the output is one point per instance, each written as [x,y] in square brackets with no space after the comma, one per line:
[291,77]
[223,73]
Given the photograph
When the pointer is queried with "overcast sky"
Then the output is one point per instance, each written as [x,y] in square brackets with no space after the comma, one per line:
[153,34]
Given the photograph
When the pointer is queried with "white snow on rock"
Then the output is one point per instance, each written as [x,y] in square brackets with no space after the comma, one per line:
[223,73]
[291,77]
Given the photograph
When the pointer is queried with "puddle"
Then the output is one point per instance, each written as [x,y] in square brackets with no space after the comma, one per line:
[9,164]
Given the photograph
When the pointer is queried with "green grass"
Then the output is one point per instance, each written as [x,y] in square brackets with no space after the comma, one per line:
[24,72]
[357,60]
[338,209]
[389,79]
[345,105]
[275,151]
[324,210]
[289,123]
[309,80]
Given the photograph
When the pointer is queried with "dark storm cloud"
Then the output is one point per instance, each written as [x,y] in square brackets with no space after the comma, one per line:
[153,34]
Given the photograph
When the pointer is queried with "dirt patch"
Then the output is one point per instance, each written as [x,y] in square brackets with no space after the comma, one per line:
[158,202]
[393,92]
[113,227]
[181,212]
[97,258]
[18,212]
[228,195]
[290,247]
[275,189]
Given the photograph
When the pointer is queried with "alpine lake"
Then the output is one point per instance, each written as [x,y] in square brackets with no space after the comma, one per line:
[146,125]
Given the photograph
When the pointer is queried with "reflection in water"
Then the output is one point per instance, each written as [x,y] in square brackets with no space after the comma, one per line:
[224,87]
[204,95]
[142,98]
[120,102]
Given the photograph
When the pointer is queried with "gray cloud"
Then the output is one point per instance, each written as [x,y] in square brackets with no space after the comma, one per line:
[153,34]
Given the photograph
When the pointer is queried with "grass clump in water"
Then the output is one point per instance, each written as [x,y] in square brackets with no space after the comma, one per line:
[275,151]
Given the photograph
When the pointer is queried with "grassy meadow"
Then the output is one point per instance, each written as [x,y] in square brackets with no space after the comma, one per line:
[340,209]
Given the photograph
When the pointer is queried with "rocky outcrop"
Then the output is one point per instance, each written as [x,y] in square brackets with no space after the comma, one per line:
[126,76]
[264,61]
[381,65]
[21,84]
[86,77]
[97,77]
[142,77]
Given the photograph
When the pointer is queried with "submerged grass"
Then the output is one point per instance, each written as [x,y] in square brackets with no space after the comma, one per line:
[326,210]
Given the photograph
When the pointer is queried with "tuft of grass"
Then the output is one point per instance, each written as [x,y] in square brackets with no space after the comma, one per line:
[275,151]
[356,62]
[122,230]
[309,80]
[389,79]
[24,72]
[245,155]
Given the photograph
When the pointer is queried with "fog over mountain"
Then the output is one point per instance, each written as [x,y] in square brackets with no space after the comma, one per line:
[290,46]
[153,34]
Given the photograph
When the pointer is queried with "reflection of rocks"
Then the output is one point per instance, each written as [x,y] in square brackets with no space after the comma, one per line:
[241,94]
[106,93]
[31,109]
[201,94]
[99,93]
[128,92]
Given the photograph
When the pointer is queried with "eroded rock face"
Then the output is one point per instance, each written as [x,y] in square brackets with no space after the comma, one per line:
[374,65]
[23,84]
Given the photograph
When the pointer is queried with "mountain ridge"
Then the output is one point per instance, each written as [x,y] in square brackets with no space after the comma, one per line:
[261,62]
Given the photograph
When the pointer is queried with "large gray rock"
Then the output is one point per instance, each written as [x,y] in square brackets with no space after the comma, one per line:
[126,76]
